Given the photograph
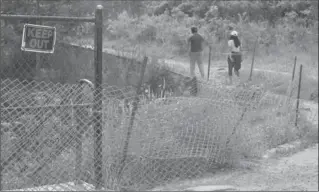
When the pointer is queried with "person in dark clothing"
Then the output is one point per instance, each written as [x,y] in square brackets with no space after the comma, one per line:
[195,48]
[235,57]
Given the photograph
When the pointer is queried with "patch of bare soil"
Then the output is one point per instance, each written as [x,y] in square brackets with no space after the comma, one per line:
[298,172]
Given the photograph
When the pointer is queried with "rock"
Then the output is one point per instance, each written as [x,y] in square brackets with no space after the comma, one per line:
[212,188]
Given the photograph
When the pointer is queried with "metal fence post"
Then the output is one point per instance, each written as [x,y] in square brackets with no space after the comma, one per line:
[37,55]
[0,124]
[298,96]
[79,128]
[294,69]
[1,169]
[130,127]
[291,85]
[97,105]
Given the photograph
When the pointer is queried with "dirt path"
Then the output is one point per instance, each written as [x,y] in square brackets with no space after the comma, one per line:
[298,172]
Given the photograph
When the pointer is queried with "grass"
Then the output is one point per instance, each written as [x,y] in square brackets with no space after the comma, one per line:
[279,83]
[186,138]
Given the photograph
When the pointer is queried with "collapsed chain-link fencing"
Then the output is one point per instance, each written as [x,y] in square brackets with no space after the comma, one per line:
[47,135]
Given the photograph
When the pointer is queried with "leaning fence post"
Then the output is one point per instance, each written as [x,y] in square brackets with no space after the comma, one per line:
[97,105]
[253,61]
[298,95]
[291,84]
[130,127]
[209,57]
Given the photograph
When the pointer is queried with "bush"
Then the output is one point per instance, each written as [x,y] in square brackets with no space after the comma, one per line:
[292,29]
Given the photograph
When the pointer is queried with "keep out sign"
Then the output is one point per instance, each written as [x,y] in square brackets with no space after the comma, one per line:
[38,38]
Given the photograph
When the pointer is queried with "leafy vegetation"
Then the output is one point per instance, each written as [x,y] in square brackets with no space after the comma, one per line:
[161,28]
[278,24]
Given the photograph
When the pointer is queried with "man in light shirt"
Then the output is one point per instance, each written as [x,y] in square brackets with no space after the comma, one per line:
[235,57]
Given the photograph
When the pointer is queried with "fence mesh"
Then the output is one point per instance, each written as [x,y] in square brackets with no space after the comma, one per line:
[176,128]
[67,64]
[182,128]
[48,134]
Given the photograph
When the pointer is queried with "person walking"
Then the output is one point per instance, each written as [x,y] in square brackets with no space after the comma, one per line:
[234,59]
[195,48]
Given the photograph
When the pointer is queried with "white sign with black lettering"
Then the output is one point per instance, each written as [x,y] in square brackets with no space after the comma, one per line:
[38,38]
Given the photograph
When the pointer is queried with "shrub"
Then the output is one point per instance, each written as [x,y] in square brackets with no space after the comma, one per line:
[290,32]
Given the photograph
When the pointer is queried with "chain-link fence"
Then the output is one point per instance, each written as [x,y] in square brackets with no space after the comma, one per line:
[43,110]
[47,135]
[184,137]
[48,131]
[170,128]
[66,65]
[39,131]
